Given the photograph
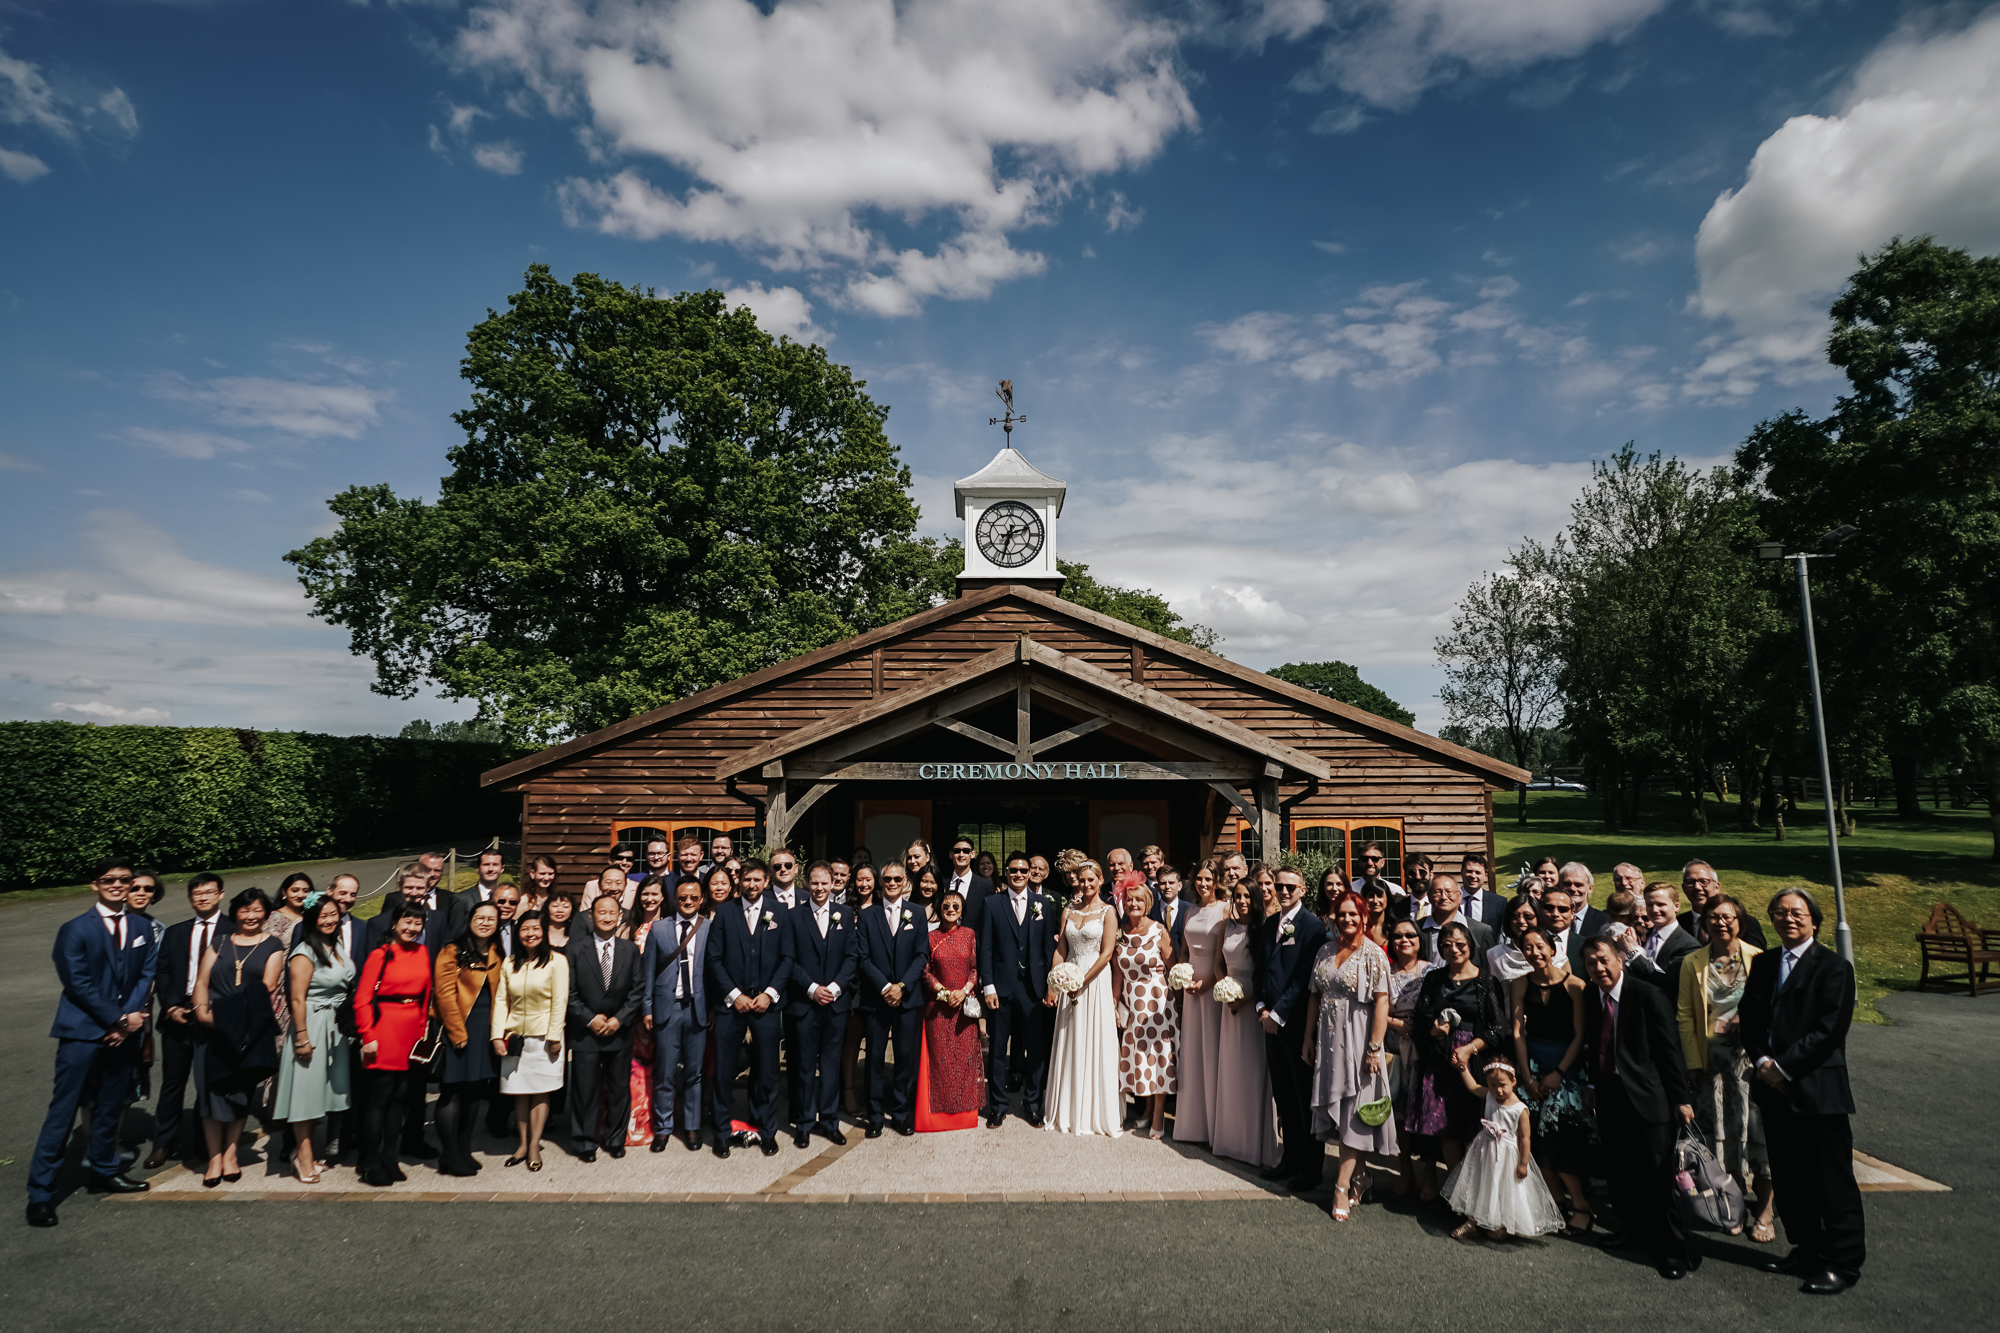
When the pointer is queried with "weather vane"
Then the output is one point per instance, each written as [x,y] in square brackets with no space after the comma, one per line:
[1005,393]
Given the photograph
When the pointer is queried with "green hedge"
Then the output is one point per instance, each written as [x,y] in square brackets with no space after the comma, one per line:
[185,798]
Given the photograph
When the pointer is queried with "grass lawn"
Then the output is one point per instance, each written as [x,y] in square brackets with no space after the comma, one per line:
[1894,869]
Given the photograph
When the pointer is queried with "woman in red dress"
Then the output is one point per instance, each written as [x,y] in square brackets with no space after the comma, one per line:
[639,922]
[951,1085]
[392,1005]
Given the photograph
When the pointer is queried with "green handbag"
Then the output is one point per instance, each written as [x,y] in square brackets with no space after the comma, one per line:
[1375,1112]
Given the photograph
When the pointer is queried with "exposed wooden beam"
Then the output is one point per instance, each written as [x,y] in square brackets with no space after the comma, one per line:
[1064,737]
[1024,748]
[1269,818]
[1228,792]
[1047,770]
[805,803]
[777,823]
[1136,718]
[972,733]
[1199,721]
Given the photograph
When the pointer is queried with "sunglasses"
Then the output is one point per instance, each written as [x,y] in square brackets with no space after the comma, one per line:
[109,880]
[783,865]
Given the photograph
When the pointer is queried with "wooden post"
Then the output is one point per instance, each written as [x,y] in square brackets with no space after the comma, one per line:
[1268,813]
[1024,745]
[777,821]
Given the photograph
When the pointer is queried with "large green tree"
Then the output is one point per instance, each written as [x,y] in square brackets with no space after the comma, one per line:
[1338,680]
[1499,668]
[1658,606]
[653,496]
[1908,614]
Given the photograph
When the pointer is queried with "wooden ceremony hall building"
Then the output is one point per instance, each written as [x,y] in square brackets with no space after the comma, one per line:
[1023,721]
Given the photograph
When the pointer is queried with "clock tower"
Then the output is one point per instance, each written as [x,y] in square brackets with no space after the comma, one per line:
[1010,509]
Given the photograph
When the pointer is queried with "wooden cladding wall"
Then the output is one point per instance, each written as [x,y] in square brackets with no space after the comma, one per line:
[665,770]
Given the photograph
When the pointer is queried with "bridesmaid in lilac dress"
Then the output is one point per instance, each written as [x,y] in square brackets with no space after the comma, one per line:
[1201,1016]
[1243,1122]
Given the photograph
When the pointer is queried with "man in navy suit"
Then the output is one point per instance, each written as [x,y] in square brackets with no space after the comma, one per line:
[180,1036]
[1480,901]
[1286,946]
[895,945]
[749,964]
[822,993]
[1169,908]
[974,888]
[1797,1006]
[673,995]
[1017,942]
[106,965]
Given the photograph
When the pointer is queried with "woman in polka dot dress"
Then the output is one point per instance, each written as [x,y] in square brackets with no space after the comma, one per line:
[1151,1035]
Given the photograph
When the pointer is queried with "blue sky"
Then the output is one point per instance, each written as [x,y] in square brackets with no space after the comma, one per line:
[1318,305]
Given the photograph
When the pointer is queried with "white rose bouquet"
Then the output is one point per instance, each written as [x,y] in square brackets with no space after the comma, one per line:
[1179,975]
[1066,978]
[1228,990]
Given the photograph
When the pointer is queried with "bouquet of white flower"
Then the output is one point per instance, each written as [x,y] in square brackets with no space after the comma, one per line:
[1228,990]
[1179,975]
[1066,978]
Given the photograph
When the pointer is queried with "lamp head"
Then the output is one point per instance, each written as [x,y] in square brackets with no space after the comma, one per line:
[1845,532]
[1770,550]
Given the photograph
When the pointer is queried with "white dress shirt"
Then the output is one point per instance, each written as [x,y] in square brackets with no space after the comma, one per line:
[823,918]
[753,909]
[114,922]
[1284,919]
[1659,937]
[214,922]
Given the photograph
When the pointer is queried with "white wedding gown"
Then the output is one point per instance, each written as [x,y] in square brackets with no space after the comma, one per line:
[1083,1095]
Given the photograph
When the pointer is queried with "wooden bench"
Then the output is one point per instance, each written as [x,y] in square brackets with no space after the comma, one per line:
[1952,942]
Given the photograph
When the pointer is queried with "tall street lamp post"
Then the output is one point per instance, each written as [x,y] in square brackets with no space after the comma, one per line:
[1843,937]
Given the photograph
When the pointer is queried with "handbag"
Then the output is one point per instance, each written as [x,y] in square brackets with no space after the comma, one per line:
[971,1008]
[429,1046]
[1706,1197]
[1376,1110]
[514,1045]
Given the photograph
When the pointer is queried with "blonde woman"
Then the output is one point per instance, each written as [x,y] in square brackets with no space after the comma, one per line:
[1083,1096]
[1712,981]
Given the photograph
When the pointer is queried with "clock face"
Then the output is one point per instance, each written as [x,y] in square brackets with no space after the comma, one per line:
[1010,534]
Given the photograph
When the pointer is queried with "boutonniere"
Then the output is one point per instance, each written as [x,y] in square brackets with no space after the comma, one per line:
[771,920]
[1037,908]
[1286,931]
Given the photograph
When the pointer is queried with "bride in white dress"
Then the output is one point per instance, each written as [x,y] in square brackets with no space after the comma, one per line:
[1083,1095]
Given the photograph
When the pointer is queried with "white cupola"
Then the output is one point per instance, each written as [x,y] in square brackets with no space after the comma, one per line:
[1010,509]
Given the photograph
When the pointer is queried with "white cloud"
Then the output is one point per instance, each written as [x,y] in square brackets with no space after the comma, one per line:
[1385,53]
[15,463]
[1320,549]
[68,108]
[312,411]
[184,443]
[143,575]
[503,159]
[1908,148]
[779,310]
[99,711]
[23,168]
[799,130]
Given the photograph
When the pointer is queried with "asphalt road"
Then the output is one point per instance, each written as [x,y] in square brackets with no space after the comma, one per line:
[1926,1087]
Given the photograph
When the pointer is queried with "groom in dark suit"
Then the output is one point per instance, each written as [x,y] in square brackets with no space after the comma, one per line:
[749,966]
[822,994]
[1796,1009]
[1634,1050]
[895,945]
[1286,946]
[105,960]
[1017,942]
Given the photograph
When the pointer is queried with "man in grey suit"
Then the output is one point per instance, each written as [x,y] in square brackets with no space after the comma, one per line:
[1445,902]
[673,997]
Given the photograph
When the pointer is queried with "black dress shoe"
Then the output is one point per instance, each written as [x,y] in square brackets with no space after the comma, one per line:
[905,1128]
[589,1156]
[1034,1119]
[614,1150]
[721,1148]
[156,1159]
[659,1143]
[1827,1283]
[834,1136]
[1672,1267]
[770,1147]
[1798,1261]
[42,1214]
[873,1132]
[118,1184]
[693,1141]
[801,1138]
[1278,1172]
[994,1121]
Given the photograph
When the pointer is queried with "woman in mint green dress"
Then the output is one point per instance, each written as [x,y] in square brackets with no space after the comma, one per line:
[313,1076]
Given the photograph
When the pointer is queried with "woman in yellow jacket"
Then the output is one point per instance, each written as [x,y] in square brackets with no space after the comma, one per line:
[1719,1072]
[530,1003]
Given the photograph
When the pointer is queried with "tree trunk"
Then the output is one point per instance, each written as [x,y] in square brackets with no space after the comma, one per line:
[1635,786]
[1753,765]
[1903,770]
[1773,804]
[1694,792]
[1609,773]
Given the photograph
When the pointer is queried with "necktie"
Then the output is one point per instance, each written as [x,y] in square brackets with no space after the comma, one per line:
[1785,968]
[1020,909]
[684,982]
[1607,1037]
[207,934]
[604,961]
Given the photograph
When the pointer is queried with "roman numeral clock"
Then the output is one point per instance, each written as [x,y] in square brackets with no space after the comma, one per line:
[1010,509]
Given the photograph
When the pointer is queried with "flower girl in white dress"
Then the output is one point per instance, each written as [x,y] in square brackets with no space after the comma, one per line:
[1496,1188]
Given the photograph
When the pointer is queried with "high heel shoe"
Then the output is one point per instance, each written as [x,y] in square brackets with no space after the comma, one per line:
[535,1163]
[210,1182]
[1340,1205]
[233,1176]
[516,1161]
